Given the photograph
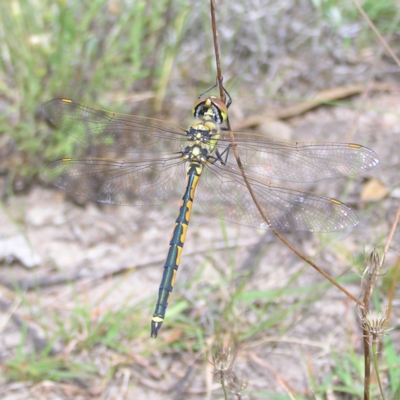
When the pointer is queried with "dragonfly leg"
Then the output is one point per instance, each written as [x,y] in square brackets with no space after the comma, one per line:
[228,96]
[218,156]
[207,90]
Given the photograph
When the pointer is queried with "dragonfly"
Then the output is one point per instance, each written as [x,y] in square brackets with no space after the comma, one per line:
[141,161]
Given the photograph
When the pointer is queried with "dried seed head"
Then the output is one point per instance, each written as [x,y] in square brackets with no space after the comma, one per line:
[223,360]
[375,323]
[235,385]
[372,265]
[373,262]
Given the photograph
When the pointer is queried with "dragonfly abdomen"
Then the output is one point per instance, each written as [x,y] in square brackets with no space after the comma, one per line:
[175,248]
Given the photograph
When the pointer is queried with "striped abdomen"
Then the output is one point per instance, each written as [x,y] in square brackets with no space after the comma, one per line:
[175,248]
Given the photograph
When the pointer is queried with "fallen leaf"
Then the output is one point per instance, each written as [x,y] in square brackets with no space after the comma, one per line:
[374,190]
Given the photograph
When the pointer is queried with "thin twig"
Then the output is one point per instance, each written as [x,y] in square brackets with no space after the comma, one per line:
[393,286]
[240,165]
[220,78]
[390,237]
[380,37]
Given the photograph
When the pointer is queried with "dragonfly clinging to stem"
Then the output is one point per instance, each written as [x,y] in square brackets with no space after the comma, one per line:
[163,160]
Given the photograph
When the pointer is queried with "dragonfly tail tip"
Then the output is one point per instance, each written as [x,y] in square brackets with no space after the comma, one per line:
[155,327]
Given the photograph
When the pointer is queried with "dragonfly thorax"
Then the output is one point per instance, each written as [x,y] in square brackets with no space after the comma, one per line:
[202,138]
[202,132]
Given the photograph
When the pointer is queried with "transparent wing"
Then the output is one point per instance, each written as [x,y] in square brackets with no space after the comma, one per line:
[297,161]
[266,156]
[121,182]
[108,131]
[154,172]
[225,195]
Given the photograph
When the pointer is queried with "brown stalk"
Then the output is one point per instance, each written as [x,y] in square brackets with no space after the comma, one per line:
[220,78]
[371,273]
[390,237]
[240,165]
[373,270]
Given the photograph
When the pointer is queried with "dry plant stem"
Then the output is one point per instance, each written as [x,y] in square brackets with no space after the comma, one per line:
[380,37]
[371,275]
[378,377]
[216,50]
[223,386]
[371,281]
[240,165]
[367,364]
[390,237]
[386,249]
[395,281]
[275,232]
[285,383]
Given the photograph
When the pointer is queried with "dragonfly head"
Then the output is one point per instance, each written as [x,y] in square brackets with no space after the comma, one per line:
[210,108]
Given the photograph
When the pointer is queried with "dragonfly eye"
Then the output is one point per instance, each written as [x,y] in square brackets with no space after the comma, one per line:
[222,109]
[212,108]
